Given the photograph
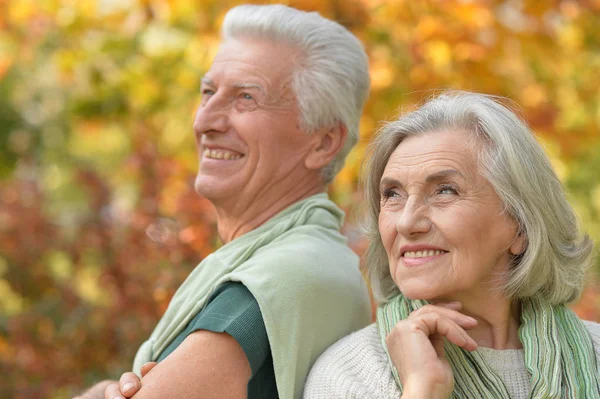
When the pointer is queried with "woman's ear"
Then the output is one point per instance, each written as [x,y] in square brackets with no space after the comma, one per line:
[519,244]
[328,142]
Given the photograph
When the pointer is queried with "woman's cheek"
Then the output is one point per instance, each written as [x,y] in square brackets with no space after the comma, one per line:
[386,230]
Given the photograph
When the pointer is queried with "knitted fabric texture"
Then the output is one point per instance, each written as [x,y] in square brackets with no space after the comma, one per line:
[559,354]
[304,277]
[356,367]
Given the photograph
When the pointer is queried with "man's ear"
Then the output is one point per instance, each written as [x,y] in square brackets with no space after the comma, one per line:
[327,143]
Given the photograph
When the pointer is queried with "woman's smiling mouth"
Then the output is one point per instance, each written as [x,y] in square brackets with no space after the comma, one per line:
[421,256]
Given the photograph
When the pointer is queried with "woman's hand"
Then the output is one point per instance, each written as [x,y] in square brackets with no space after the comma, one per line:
[416,346]
[128,384]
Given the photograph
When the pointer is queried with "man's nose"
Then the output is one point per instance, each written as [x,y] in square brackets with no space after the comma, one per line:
[413,219]
[212,117]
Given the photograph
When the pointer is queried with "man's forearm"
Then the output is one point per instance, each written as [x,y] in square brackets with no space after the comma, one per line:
[96,391]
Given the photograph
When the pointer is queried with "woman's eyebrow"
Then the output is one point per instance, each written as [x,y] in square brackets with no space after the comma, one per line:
[390,181]
[442,174]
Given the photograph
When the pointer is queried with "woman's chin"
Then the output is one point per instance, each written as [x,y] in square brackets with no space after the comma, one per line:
[414,295]
[425,293]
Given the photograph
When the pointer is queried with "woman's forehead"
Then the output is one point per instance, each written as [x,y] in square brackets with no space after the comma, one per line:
[444,150]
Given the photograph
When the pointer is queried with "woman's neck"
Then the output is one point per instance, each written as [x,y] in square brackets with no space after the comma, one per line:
[498,321]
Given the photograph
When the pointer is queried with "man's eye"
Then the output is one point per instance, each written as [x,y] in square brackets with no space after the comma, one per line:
[247,96]
[207,92]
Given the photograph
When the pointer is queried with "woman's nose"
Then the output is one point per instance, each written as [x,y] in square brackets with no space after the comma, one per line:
[413,219]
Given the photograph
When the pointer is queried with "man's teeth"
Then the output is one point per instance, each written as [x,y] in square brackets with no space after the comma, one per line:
[422,254]
[221,154]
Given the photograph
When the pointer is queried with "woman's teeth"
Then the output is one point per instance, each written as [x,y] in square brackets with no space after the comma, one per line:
[422,254]
[221,154]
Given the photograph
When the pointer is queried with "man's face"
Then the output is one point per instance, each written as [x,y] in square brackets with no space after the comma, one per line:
[247,127]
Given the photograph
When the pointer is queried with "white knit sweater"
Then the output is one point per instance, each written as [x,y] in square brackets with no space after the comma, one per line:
[357,367]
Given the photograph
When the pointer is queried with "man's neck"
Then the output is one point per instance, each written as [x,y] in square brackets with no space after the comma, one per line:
[240,219]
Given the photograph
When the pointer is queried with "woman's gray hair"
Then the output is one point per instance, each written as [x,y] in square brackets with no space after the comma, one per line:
[557,255]
[331,81]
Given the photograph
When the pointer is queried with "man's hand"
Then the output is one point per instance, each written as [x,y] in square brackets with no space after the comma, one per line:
[96,391]
[128,384]
[99,390]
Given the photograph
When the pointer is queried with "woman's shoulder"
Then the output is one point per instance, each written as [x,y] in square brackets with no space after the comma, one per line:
[358,346]
[354,367]
[594,330]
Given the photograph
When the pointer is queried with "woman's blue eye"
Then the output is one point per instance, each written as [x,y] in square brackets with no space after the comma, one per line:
[447,190]
[388,192]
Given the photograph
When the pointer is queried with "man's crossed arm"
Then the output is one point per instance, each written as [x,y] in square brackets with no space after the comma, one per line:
[205,365]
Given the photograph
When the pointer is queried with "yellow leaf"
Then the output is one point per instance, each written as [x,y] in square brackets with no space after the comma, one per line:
[382,75]
[571,37]
[533,95]
[88,287]
[11,303]
[438,53]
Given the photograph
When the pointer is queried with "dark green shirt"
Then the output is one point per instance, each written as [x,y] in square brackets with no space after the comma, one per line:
[233,309]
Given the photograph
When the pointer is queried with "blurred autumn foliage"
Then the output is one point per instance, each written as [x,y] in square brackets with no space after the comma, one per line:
[99,222]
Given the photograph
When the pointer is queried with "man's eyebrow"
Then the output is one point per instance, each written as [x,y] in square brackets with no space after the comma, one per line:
[443,174]
[237,85]
[246,85]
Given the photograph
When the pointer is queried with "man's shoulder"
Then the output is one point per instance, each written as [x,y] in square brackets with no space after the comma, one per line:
[312,254]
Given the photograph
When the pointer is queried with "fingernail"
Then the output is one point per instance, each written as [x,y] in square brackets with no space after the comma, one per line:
[127,387]
[118,397]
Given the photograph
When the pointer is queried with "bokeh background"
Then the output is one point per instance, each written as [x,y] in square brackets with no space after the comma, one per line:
[99,222]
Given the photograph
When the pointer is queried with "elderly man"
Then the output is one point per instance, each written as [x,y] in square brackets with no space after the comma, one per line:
[279,113]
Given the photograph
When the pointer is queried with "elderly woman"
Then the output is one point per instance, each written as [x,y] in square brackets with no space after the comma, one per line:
[474,253]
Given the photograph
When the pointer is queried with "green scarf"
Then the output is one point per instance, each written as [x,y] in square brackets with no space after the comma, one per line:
[559,353]
[304,277]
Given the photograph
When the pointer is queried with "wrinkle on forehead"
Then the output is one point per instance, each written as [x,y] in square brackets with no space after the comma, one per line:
[271,62]
[432,152]
[253,71]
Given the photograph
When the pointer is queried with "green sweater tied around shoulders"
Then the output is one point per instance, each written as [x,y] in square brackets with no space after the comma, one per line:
[559,353]
[304,277]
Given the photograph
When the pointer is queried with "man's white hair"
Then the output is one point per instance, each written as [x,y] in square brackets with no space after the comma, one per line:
[331,80]
[557,255]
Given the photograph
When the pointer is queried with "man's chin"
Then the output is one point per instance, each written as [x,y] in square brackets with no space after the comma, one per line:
[211,188]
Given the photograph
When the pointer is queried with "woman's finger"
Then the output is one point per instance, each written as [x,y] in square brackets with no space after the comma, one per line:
[454,305]
[447,310]
[439,324]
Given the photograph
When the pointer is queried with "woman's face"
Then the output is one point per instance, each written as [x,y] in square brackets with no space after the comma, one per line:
[441,222]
